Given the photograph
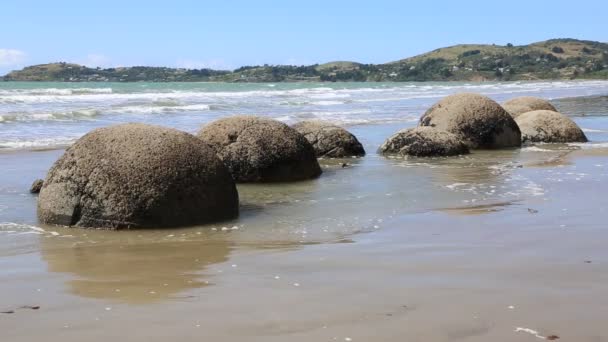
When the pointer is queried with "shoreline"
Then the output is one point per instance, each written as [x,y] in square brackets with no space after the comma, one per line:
[474,81]
[404,123]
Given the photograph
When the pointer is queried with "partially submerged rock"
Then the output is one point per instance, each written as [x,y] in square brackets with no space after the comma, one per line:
[549,127]
[330,141]
[36,186]
[136,175]
[478,120]
[261,150]
[424,142]
[524,104]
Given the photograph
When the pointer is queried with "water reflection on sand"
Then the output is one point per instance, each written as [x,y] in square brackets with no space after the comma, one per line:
[132,266]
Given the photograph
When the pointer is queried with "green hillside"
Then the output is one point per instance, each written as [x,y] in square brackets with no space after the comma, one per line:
[552,59]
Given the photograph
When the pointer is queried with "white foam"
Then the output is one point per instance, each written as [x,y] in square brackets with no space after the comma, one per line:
[70,115]
[401,91]
[155,109]
[590,145]
[53,91]
[591,130]
[11,227]
[536,149]
[531,332]
[37,143]
[534,189]
[327,103]
[455,185]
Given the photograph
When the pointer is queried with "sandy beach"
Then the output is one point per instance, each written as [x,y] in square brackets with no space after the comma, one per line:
[502,245]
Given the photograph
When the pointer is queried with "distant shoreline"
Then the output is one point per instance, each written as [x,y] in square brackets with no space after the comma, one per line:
[555,59]
[317,81]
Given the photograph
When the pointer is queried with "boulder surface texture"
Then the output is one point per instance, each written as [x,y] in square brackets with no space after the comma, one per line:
[330,141]
[256,149]
[424,142]
[478,120]
[137,176]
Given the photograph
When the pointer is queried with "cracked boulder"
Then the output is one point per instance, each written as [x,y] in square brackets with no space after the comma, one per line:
[256,149]
[478,120]
[549,127]
[137,176]
[423,142]
[330,141]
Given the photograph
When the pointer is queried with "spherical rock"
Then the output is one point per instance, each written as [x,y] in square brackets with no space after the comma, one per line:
[261,150]
[330,141]
[478,120]
[36,186]
[524,104]
[424,142]
[137,176]
[549,127]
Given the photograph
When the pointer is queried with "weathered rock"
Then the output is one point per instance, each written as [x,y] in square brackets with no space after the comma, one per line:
[330,141]
[36,186]
[261,150]
[524,104]
[478,120]
[549,127]
[134,176]
[424,142]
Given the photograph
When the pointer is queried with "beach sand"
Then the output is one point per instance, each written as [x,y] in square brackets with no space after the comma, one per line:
[496,246]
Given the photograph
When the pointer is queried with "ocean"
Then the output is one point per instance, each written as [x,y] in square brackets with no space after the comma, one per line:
[49,115]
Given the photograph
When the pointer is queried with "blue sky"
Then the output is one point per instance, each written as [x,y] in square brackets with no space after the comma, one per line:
[228,34]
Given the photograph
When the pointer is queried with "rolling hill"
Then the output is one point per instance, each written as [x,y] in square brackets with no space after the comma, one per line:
[551,59]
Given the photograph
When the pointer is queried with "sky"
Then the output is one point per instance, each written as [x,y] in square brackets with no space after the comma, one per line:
[231,33]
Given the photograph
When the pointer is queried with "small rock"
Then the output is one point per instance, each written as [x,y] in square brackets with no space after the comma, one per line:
[423,142]
[33,307]
[329,140]
[552,337]
[36,186]
[532,211]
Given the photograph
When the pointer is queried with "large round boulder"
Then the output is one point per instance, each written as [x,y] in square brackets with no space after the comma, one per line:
[424,142]
[478,120]
[549,127]
[137,176]
[330,141]
[261,150]
[524,104]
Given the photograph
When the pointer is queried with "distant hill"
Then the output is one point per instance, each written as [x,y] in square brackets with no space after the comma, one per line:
[67,72]
[551,59]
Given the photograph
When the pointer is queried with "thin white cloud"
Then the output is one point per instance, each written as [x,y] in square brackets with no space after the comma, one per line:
[94,60]
[216,64]
[11,57]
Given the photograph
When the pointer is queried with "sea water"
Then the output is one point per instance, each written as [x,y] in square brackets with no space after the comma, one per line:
[48,115]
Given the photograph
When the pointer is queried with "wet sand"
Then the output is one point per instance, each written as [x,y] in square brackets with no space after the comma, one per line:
[445,249]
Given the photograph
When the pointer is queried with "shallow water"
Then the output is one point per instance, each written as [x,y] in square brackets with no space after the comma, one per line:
[466,248]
